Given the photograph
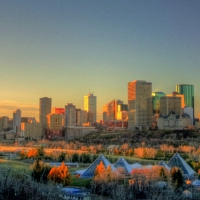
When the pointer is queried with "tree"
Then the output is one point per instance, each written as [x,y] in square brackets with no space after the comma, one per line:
[40,152]
[60,174]
[177,177]
[162,174]
[40,171]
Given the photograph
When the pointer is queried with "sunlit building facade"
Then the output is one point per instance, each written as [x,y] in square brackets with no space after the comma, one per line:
[90,105]
[139,103]
[31,130]
[70,115]
[17,120]
[156,101]
[44,110]
[58,111]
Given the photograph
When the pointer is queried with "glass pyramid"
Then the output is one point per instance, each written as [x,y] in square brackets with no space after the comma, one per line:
[90,171]
[178,161]
[163,164]
[122,163]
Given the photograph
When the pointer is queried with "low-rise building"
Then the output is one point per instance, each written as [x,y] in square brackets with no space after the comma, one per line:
[31,130]
[78,131]
[174,122]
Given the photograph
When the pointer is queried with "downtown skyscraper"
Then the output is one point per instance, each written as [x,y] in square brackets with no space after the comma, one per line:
[44,110]
[139,103]
[90,105]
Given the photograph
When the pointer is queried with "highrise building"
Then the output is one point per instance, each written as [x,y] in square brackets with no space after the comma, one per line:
[70,115]
[58,111]
[31,130]
[4,123]
[176,94]
[111,110]
[45,109]
[17,120]
[90,105]
[81,117]
[54,121]
[188,91]
[170,104]
[139,103]
[156,101]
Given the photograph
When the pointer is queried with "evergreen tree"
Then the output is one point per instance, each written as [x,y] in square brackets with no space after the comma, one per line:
[40,171]
[163,174]
[177,177]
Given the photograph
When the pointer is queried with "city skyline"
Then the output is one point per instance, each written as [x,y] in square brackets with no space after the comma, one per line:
[65,49]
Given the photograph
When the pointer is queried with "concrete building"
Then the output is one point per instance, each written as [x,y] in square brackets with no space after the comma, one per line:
[175,94]
[156,101]
[139,103]
[76,132]
[17,121]
[55,121]
[174,122]
[168,104]
[44,110]
[31,130]
[90,105]
[81,117]
[4,123]
[70,115]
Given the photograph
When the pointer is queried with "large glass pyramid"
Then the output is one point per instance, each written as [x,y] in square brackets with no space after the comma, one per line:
[178,161]
[90,171]
[122,163]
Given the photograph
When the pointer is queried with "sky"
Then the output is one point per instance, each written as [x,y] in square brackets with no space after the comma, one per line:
[65,49]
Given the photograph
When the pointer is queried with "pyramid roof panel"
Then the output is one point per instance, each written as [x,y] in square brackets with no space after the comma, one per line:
[178,161]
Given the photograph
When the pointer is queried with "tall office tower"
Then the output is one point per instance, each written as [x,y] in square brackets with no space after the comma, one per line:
[17,120]
[176,94]
[90,105]
[4,123]
[170,104]
[188,91]
[109,111]
[70,115]
[156,101]
[139,103]
[45,109]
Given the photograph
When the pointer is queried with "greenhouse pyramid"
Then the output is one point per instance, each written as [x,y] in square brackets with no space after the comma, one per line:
[90,171]
[178,161]
[122,163]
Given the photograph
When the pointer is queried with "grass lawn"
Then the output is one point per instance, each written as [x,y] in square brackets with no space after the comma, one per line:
[19,166]
[80,182]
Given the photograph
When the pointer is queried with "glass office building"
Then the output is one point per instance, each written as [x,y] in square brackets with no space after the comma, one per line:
[188,91]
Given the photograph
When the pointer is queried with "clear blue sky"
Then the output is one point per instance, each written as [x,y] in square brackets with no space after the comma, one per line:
[63,49]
